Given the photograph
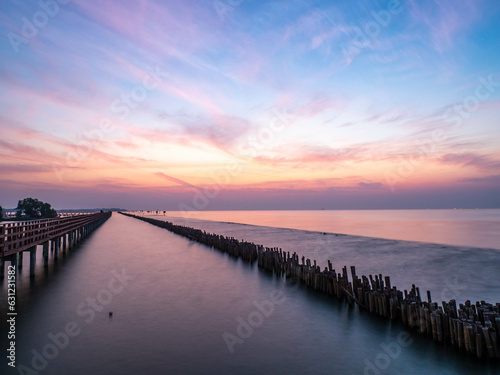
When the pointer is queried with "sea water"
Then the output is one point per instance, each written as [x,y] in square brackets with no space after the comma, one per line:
[179,307]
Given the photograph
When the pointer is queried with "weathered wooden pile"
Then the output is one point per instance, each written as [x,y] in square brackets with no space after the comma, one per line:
[472,328]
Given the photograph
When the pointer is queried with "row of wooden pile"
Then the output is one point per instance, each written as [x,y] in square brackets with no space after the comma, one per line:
[472,328]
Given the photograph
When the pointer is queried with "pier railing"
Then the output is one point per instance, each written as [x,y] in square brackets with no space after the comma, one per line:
[19,236]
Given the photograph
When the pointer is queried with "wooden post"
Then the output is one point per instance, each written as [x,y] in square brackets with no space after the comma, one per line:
[423,324]
[32,261]
[55,248]
[13,261]
[388,282]
[479,345]
[494,344]
[461,334]
[20,260]
[472,338]
[439,327]
[428,321]
[45,253]
[466,338]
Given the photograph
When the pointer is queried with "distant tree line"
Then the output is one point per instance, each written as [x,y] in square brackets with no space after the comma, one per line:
[31,208]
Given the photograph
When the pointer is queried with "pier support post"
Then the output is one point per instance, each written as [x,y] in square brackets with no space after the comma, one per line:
[20,260]
[2,269]
[45,253]
[55,248]
[64,238]
[32,261]
[13,261]
[62,247]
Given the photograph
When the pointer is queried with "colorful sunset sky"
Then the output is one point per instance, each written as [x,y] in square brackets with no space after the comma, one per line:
[231,104]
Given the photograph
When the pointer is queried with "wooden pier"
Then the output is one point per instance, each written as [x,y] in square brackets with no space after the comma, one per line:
[471,328]
[57,235]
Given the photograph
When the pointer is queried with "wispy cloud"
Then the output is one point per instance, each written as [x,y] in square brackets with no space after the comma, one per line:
[488,180]
[176,180]
[371,185]
[444,20]
[482,162]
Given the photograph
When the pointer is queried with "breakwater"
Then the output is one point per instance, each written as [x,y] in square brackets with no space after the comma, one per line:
[471,328]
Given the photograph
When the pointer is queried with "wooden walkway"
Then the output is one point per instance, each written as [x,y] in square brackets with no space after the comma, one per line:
[19,236]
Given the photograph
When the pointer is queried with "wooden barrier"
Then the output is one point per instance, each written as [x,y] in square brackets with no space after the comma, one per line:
[472,328]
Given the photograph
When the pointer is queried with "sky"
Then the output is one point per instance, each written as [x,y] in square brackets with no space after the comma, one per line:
[239,104]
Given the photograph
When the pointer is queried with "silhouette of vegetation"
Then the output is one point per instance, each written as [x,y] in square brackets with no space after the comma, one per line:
[1,212]
[34,209]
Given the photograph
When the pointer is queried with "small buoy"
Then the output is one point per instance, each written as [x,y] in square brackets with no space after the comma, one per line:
[110,314]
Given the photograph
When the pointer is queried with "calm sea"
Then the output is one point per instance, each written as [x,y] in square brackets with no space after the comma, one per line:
[475,228]
[182,308]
